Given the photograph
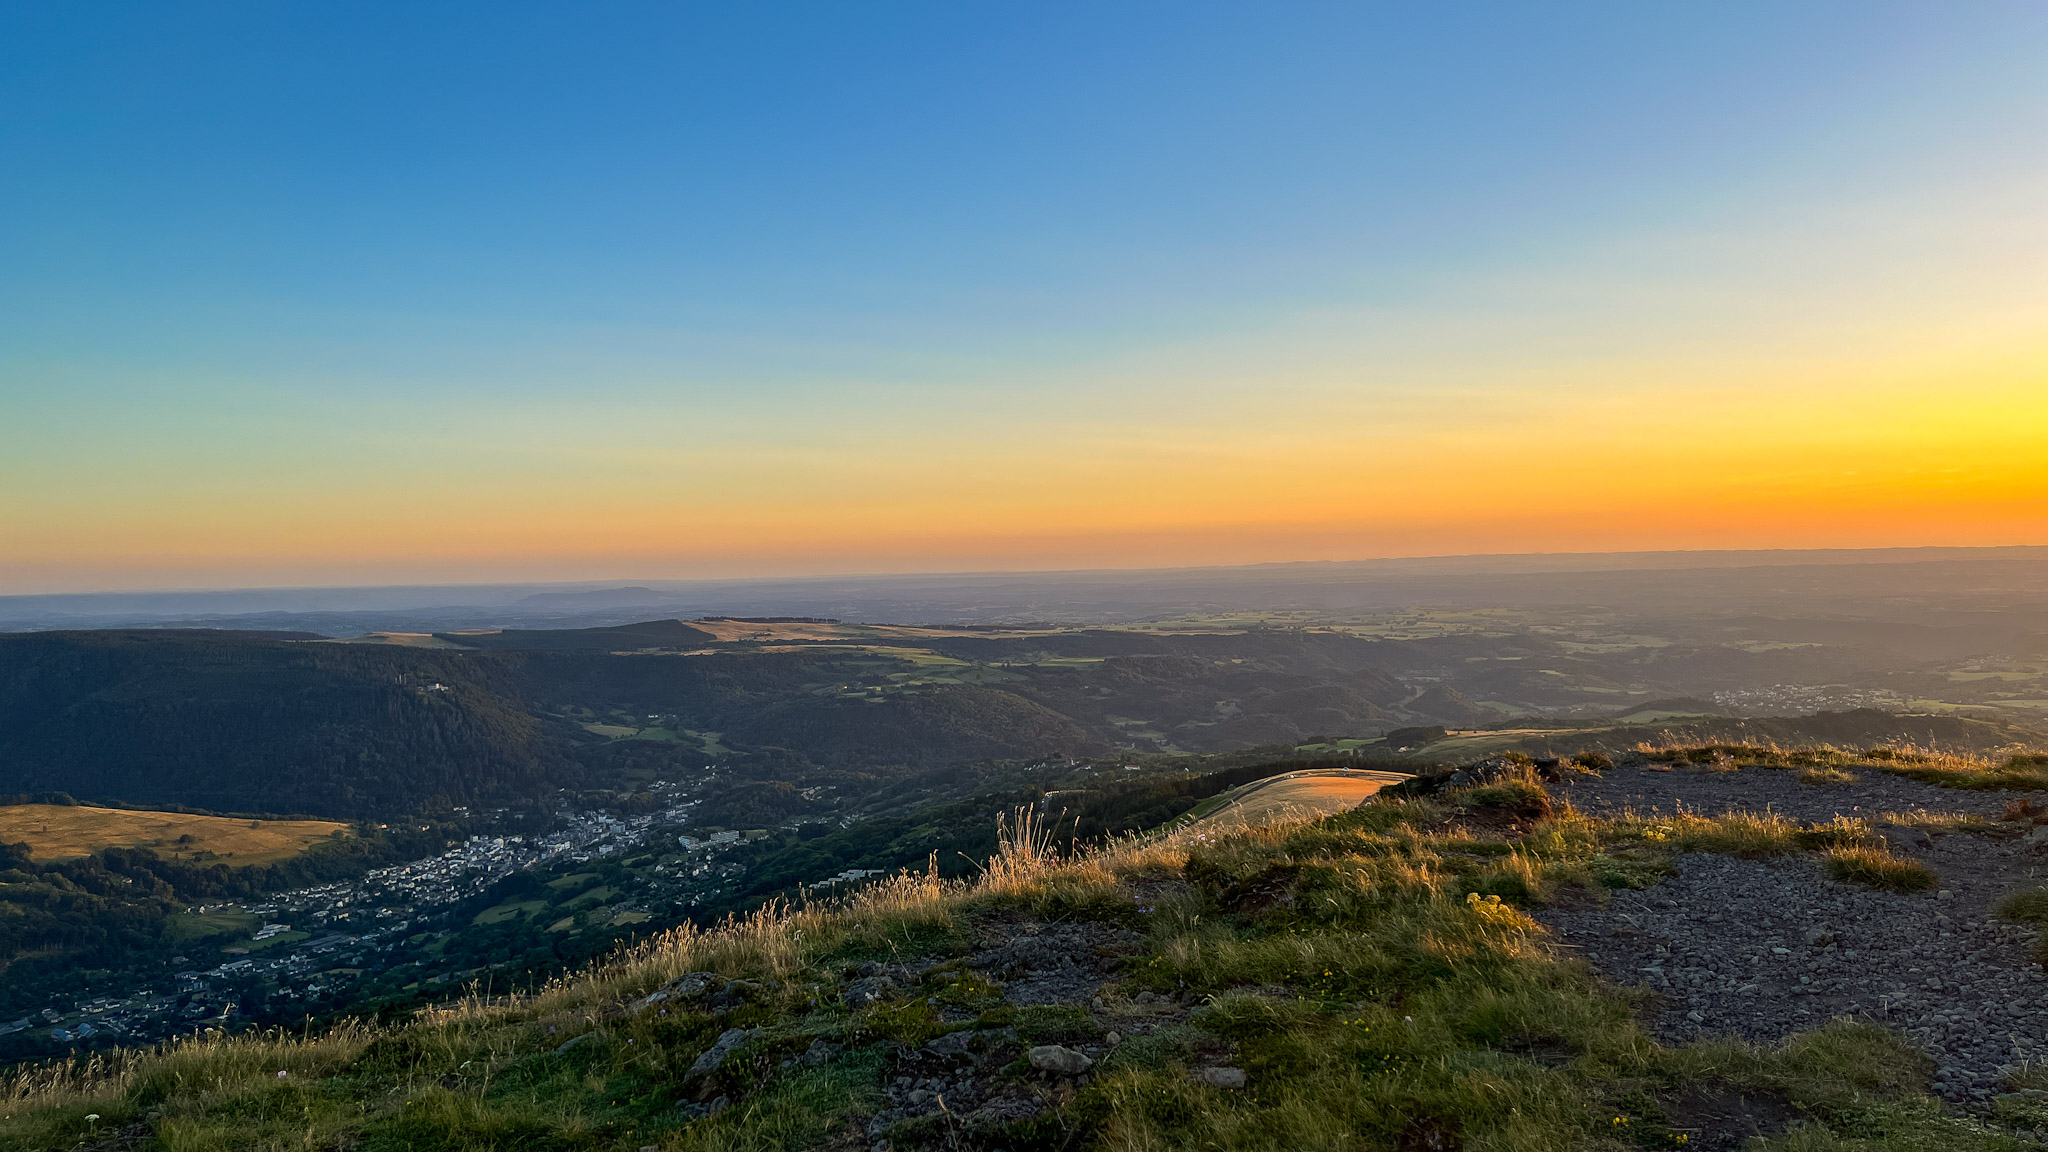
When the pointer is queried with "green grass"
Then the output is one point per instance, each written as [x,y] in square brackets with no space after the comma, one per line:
[659,735]
[2027,906]
[503,912]
[1877,868]
[205,925]
[1377,975]
[2020,772]
[277,941]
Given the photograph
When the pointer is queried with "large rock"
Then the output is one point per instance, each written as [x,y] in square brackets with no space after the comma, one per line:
[1055,1058]
[688,986]
[574,1042]
[869,990]
[951,1044]
[1222,1077]
[727,1043]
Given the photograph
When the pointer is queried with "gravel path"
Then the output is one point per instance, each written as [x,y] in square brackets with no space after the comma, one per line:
[1776,789]
[1760,949]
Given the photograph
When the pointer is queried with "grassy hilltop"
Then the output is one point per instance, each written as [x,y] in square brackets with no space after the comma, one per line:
[1369,980]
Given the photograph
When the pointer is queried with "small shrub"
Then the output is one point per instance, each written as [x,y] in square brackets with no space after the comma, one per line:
[911,1023]
[1518,798]
[2027,906]
[2025,772]
[1747,835]
[964,988]
[1594,761]
[1246,1016]
[1159,1049]
[1878,868]
[1515,879]
[1932,821]
[1055,1024]
[1841,832]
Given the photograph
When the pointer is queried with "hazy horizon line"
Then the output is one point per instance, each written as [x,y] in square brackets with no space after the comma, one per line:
[1503,563]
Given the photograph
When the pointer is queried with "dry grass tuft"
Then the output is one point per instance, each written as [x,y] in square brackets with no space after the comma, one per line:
[2026,906]
[1875,867]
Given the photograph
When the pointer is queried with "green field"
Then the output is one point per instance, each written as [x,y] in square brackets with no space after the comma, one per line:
[504,912]
[207,925]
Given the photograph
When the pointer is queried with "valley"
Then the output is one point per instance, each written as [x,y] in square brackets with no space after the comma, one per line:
[216,833]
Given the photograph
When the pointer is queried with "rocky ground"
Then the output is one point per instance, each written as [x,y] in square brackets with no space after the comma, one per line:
[1729,947]
[1711,793]
[1760,949]
[958,1081]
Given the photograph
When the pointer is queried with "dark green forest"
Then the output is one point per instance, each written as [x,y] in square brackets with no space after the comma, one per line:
[259,723]
[216,721]
[221,721]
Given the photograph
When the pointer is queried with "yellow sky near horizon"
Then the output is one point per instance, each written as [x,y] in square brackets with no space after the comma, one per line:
[1660,393]
[1945,451]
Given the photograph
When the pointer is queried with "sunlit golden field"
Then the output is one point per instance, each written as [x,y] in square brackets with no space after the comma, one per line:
[59,831]
[1300,795]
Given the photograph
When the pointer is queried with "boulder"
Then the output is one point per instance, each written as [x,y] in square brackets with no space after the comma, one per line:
[574,1042]
[688,986]
[735,994]
[869,990]
[951,1044]
[1905,838]
[727,1043]
[1055,1058]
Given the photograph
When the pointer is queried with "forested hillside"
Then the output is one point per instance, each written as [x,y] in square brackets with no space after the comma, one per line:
[396,725]
[220,721]
[239,722]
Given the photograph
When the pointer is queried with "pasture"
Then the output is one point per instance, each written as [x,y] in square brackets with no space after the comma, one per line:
[65,831]
[732,631]
[398,639]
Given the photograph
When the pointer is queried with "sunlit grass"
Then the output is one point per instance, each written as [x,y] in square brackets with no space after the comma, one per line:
[1378,976]
[1878,868]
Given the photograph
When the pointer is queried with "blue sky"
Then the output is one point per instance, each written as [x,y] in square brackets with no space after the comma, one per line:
[517,247]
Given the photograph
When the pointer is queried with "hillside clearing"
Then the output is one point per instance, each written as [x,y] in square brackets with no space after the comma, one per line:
[397,639]
[68,831]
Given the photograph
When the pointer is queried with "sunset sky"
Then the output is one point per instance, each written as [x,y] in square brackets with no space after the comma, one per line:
[379,292]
